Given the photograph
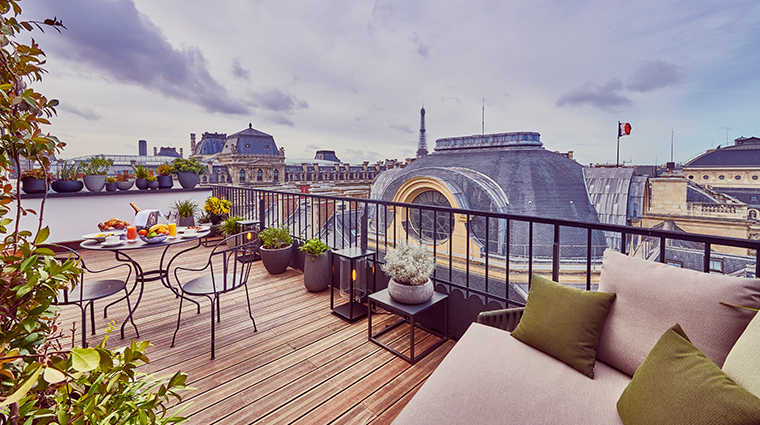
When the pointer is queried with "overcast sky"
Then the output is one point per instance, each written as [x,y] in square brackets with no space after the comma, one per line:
[352,75]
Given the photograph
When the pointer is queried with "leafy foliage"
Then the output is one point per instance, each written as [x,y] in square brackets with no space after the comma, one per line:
[409,264]
[165,169]
[315,246]
[141,171]
[124,177]
[186,208]
[69,172]
[96,165]
[276,237]
[189,166]
[229,226]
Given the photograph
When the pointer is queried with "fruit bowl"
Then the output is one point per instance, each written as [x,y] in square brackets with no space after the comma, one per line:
[155,239]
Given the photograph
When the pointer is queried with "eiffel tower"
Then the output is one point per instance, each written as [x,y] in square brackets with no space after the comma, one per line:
[422,145]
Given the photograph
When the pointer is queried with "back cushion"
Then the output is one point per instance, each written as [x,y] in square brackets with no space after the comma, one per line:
[652,296]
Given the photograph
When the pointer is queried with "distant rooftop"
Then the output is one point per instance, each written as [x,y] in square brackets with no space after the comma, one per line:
[498,140]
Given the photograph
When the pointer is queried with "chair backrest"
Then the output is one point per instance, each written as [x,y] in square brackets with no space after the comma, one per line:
[233,258]
[68,295]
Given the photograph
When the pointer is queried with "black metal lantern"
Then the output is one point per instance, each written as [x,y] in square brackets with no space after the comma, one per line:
[352,265]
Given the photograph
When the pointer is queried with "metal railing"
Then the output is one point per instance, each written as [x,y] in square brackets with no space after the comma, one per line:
[486,257]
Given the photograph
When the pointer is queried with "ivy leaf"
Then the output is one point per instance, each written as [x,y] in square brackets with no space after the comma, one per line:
[84,359]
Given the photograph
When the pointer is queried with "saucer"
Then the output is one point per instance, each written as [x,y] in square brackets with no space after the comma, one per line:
[131,240]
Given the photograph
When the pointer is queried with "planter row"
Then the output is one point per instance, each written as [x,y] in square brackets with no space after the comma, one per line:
[96,183]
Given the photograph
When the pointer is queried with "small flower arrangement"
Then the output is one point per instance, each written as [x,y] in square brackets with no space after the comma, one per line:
[36,173]
[165,169]
[409,264]
[111,179]
[124,177]
[217,206]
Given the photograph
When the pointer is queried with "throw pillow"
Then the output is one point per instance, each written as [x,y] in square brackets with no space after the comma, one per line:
[677,384]
[743,361]
[652,296]
[564,322]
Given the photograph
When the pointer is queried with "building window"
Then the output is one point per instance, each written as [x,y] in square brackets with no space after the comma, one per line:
[259,175]
[266,146]
[691,177]
[248,145]
[738,177]
[705,177]
[222,178]
[242,175]
[275,175]
[753,214]
[716,265]
[205,179]
[721,177]
[430,221]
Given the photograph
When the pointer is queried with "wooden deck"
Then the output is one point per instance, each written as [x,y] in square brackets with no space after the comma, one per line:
[303,365]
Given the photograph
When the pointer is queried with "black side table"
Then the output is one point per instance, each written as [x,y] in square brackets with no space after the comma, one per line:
[408,312]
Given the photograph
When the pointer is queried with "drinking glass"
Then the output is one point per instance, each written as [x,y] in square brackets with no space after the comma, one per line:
[172,229]
[131,233]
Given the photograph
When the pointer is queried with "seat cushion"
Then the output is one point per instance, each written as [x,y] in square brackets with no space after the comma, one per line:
[678,385]
[491,378]
[651,297]
[564,322]
[743,361]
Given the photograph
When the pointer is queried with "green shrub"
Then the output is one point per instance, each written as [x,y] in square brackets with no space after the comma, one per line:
[275,237]
[315,246]
[189,166]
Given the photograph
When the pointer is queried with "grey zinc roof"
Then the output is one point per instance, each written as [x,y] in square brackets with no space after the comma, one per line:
[251,142]
[211,143]
[731,156]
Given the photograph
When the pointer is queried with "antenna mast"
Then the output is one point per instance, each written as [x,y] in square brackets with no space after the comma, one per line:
[483,118]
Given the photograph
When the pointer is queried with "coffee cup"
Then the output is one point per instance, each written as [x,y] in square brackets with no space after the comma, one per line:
[189,233]
[112,240]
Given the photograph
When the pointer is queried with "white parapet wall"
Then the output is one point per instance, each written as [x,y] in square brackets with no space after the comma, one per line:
[70,216]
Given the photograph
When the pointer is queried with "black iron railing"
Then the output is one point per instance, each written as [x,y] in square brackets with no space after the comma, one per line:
[485,258]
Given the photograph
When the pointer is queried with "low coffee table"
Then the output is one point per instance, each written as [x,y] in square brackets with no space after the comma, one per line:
[408,312]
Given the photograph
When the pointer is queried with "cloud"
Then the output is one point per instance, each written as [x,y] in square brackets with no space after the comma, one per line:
[604,97]
[654,74]
[116,39]
[274,99]
[420,48]
[451,99]
[401,127]
[240,72]
[87,113]
[312,147]
[353,156]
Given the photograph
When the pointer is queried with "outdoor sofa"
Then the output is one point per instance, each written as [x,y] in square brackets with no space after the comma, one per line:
[491,377]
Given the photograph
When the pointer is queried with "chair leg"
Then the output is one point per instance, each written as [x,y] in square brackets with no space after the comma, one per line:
[250,313]
[92,317]
[179,316]
[83,308]
[131,318]
[213,330]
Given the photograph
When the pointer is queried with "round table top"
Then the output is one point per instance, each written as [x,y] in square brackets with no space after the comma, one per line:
[139,244]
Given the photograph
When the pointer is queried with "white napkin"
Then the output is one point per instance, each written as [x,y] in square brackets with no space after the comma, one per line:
[141,218]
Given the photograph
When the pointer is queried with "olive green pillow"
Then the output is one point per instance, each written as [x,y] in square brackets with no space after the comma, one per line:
[678,384]
[564,322]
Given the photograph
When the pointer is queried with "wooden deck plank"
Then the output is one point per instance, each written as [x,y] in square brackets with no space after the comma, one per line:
[303,365]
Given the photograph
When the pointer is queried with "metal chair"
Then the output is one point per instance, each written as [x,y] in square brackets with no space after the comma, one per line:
[229,266]
[86,292]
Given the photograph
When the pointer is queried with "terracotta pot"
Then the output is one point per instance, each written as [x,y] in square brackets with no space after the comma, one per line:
[410,294]
[276,261]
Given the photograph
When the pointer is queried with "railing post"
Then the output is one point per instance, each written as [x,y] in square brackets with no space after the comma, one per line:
[706,264]
[364,238]
[262,212]
[555,255]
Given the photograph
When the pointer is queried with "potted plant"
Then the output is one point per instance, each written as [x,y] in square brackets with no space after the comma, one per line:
[409,267]
[35,180]
[94,170]
[186,212]
[276,248]
[123,181]
[229,227]
[188,172]
[141,176]
[111,184]
[217,209]
[152,181]
[67,179]
[165,171]
[316,266]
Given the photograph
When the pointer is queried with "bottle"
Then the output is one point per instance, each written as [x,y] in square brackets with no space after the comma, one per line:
[135,207]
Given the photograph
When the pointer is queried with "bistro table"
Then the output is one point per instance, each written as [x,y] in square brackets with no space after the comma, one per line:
[141,275]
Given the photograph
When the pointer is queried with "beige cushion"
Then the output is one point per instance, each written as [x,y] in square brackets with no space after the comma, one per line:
[678,385]
[743,361]
[652,296]
[564,322]
[491,378]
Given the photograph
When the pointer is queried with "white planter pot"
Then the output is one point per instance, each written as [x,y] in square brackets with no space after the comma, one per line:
[410,294]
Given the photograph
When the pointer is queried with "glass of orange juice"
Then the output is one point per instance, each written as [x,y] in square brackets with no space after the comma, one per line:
[131,233]
[172,229]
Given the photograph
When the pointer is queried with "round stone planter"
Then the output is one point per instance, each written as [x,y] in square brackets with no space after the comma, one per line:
[142,184]
[67,186]
[188,180]
[111,187]
[186,221]
[94,182]
[32,185]
[316,272]
[124,185]
[276,261]
[153,184]
[165,182]
[410,294]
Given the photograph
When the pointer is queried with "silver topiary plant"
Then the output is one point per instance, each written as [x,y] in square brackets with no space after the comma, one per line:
[409,264]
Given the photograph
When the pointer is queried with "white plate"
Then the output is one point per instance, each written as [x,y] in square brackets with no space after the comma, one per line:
[109,245]
[104,234]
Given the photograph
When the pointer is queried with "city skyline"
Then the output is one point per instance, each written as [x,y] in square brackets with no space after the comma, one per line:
[351,77]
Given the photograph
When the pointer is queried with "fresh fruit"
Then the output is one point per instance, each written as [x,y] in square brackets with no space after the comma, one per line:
[155,227]
[151,235]
[142,232]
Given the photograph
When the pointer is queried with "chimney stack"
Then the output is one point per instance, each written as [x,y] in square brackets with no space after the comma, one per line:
[155,151]
[181,153]
[142,148]
[192,142]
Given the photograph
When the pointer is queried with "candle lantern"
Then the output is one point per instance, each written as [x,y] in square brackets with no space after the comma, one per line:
[352,266]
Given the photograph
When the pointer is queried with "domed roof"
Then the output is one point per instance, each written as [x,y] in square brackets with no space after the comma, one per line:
[251,142]
[210,144]
[744,153]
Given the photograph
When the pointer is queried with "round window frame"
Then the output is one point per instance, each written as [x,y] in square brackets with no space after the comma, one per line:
[444,223]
